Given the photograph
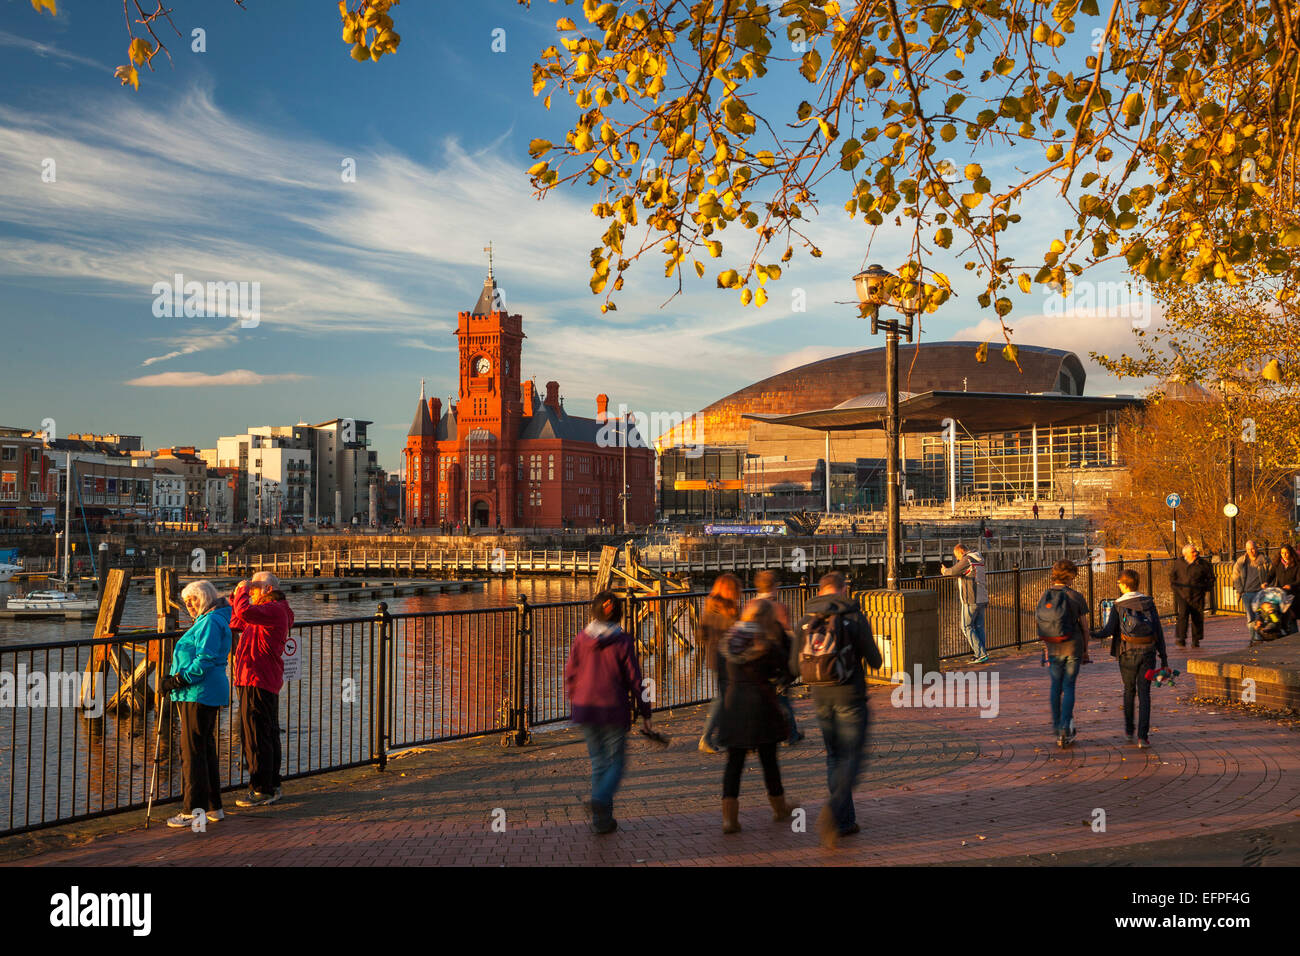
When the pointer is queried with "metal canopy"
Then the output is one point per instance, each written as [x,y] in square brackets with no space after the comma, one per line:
[982,412]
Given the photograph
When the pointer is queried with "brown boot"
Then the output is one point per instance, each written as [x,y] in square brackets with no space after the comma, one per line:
[828,829]
[730,815]
[782,808]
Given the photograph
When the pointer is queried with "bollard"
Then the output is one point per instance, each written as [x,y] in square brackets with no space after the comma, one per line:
[522,684]
[381,688]
[1015,607]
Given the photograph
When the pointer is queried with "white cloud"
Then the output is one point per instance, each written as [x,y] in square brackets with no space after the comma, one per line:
[237,376]
[47,50]
[197,342]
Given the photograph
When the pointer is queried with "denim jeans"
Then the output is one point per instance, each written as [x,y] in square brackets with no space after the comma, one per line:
[972,625]
[1133,667]
[1065,670]
[606,745]
[1247,604]
[843,720]
[715,708]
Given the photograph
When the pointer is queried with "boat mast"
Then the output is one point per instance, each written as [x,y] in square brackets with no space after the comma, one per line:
[67,519]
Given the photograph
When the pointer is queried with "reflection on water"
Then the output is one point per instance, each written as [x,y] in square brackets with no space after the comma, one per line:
[140,609]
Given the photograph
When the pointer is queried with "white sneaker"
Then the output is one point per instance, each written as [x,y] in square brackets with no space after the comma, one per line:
[215,815]
[182,821]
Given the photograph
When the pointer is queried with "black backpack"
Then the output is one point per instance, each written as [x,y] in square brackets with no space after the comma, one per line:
[826,651]
[1055,617]
[1135,624]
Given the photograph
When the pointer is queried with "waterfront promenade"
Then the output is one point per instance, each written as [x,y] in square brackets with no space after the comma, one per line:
[941,787]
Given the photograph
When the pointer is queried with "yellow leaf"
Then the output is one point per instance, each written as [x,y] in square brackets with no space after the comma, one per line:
[745,296]
[974,171]
[760,297]
[140,50]
[127,74]
[1010,352]
[982,353]
[1272,371]
[971,200]
[48,4]
[1024,283]
[699,267]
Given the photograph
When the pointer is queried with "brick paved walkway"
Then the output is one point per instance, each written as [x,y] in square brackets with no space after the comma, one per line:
[942,786]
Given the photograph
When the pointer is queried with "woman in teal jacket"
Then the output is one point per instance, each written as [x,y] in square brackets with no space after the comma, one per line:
[198,685]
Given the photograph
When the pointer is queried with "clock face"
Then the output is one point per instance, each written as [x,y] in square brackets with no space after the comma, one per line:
[483,365]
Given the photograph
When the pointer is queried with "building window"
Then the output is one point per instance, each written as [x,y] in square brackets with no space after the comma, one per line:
[550,468]
[568,467]
[9,453]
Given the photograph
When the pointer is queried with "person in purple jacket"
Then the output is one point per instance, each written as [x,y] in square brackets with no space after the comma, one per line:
[603,682]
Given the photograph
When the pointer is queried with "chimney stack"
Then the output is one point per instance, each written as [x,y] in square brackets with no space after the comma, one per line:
[602,407]
[529,391]
[553,395]
[435,410]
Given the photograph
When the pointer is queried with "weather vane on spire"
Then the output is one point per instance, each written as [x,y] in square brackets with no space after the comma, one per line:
[488,250]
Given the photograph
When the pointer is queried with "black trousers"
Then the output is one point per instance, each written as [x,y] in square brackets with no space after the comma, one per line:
[736,764]
[201,783]
[259,724]
[1189,612]
[1133,667]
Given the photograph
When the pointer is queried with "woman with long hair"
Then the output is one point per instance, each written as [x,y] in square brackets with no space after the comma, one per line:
[756,658]
[721,609]
[1286,575]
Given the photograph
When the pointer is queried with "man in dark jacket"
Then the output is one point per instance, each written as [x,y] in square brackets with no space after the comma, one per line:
[262,618]
[841,707]
[1136,644]
[1190,579]
[602,679]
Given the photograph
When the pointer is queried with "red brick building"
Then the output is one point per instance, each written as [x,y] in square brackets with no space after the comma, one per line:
[530,463]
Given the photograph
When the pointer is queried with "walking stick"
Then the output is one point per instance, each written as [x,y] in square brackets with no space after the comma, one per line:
[157,738]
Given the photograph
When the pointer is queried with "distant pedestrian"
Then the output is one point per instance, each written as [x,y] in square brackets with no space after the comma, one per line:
[198,685]
[262,617]
[1190,578]
[1035,509]
[1250,575]
[1061,512]
[721,611]
[756,658]
[1136,640]
[1062,617]
[831,645]
[765,584]
[602,679]
[968,568]
[1285,576]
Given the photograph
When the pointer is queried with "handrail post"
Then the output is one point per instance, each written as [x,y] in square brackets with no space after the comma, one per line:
[384,621]
[1016,604]
[523,671]
[1151,581]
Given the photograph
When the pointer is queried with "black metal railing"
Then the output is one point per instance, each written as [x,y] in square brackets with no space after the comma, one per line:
[369,685]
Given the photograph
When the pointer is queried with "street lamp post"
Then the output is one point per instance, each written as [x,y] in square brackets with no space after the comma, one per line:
[874,288]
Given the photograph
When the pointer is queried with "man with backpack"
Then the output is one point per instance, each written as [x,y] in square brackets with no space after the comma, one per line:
[968,568]
[1061,616]
[1136,639]
[832,643]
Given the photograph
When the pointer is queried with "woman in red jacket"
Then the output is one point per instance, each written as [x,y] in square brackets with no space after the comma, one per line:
[263,618]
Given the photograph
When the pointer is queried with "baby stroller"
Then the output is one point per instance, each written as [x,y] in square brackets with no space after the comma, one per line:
[1273,617]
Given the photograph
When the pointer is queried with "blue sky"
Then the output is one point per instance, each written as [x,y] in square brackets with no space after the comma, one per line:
[226,166]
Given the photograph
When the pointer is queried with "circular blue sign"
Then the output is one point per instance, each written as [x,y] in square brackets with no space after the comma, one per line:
[1174,500]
